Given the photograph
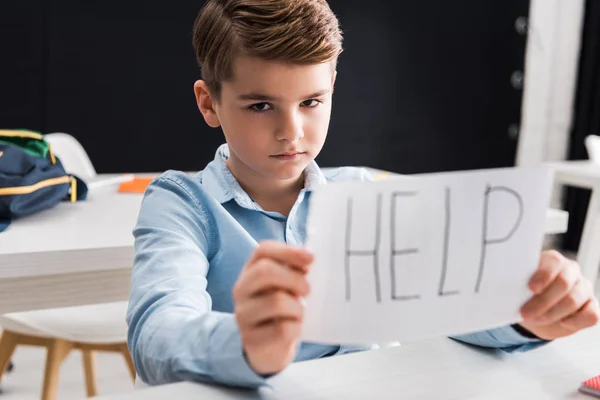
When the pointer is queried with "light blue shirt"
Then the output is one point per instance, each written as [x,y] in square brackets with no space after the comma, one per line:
[193,236]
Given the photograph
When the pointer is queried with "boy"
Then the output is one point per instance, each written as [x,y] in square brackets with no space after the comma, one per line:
[219,265]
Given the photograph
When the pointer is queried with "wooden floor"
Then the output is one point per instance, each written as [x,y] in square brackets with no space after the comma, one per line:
[25,381]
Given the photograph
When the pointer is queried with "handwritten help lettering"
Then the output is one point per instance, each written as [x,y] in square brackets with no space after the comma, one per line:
[395,253]
[437,254]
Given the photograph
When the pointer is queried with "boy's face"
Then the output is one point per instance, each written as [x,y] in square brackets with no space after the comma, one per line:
[274,116]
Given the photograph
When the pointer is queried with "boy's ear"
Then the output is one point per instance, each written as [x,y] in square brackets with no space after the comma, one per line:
[206,104]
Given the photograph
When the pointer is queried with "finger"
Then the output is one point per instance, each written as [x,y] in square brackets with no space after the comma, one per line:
[586,317]
[283,330]
[569,305]
[268,308]
[287,330]
[267,275]
[552,263]
[559,288]
[281,252]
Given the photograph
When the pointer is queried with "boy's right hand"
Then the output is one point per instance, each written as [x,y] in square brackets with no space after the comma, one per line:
[268,304]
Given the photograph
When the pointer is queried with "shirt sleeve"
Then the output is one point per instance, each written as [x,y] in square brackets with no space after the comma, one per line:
[173,334]
[505,338]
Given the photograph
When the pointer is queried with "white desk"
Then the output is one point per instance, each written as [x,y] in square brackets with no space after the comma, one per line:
[73,254]
[82,253]
[585,175]
[431,369]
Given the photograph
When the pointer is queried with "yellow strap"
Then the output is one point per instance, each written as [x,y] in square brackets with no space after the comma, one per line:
[27,134]
[52,158]
[10,191]
[18,133]
[73,190]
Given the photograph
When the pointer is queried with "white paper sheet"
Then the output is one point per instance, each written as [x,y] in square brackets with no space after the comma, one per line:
[421,256]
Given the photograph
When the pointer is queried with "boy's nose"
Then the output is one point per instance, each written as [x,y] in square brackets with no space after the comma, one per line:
[291,129]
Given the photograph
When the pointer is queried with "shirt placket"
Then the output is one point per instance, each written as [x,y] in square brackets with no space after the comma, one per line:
[291,221]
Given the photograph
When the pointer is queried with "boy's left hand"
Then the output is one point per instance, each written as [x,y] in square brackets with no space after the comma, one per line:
[563,301]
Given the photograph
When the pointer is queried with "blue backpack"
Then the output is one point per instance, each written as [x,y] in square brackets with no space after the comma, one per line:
[32,179]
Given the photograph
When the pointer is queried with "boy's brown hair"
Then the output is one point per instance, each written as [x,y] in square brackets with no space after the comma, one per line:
[298,31]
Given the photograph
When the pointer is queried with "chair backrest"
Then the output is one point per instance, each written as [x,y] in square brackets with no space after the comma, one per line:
[72,155]
[592,145]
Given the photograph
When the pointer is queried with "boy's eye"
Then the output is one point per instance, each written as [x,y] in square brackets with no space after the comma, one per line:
[310,103]
[260,107]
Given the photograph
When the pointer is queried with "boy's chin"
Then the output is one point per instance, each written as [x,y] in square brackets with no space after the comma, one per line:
[289,172]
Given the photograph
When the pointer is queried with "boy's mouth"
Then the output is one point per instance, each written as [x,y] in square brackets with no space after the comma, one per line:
[288,155]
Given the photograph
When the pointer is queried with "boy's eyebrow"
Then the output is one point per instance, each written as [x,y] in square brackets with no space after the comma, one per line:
[264,97]
[318,94]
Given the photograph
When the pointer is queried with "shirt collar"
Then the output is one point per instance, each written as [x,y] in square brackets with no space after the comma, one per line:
[218,180]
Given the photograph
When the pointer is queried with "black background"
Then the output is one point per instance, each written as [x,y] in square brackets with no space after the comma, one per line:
[422,86]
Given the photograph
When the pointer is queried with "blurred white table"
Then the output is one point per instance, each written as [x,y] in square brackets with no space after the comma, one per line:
[82,253]
[431,369]
[75,253]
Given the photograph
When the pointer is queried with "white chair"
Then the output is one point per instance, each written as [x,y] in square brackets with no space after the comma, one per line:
[89,328]
[592,145]
[586,175]
[75,160]
[72,155]
[590,238]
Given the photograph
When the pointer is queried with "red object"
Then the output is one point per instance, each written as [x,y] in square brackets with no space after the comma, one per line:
[591,386]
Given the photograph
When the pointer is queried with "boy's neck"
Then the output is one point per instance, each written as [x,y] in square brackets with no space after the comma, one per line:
[271,194]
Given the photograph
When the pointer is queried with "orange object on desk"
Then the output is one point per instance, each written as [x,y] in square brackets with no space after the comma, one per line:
[136,185]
